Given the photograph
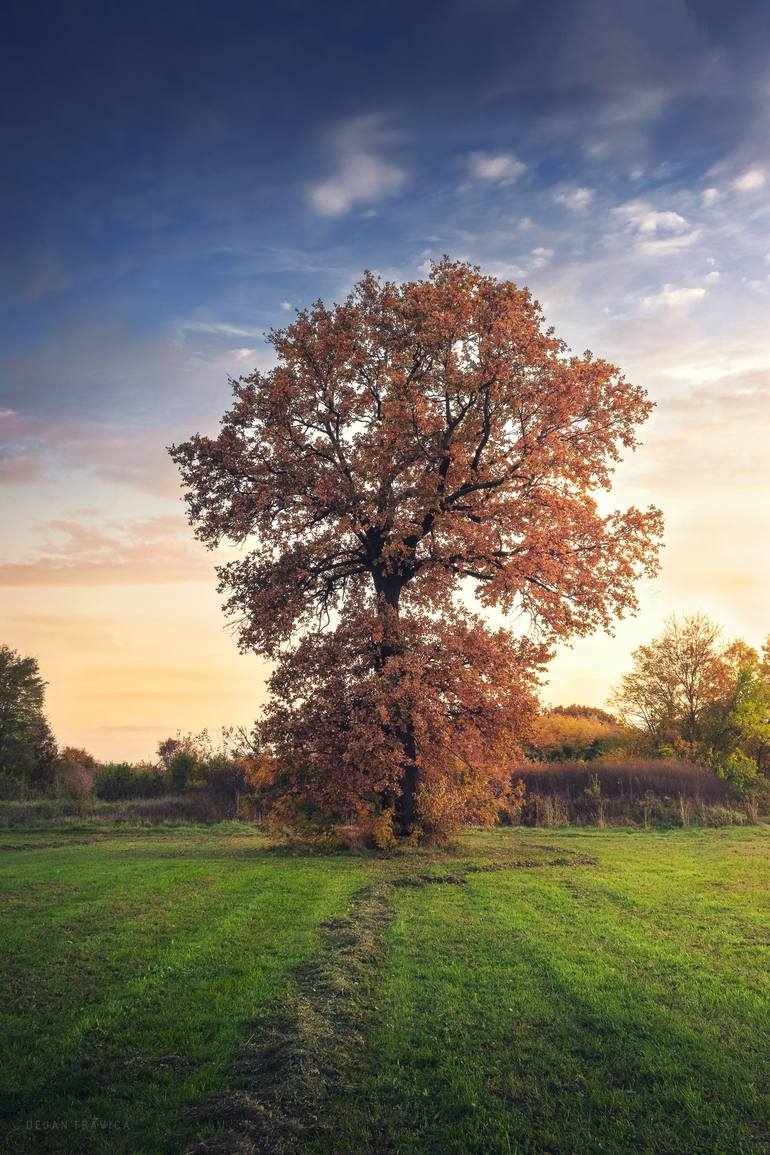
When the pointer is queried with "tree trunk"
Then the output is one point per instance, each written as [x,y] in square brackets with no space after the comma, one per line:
[406,803]
[389,594]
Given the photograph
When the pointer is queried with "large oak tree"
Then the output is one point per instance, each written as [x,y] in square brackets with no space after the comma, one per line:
[420,454]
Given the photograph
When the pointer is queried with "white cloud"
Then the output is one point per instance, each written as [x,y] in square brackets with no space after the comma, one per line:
[719,365]
[639,215]
[750,180]
[673,297]
[635,104]
[505,272]
[219,328]
[542,257]
[360,175]
[499,168]
[710,196]
[713,276]
[286,306]
[660,246]
[574,198]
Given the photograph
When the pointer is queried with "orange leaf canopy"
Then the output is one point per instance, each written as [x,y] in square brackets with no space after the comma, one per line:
[415,449]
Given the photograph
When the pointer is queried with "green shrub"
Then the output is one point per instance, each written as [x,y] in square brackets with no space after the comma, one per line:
[226,779]
[121,780]
[9,787]
[723,816]
[183,769]
[739,770]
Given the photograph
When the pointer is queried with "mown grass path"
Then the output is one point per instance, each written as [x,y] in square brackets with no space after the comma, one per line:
[594,991]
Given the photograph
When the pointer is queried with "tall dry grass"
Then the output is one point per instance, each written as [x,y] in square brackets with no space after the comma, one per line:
[644,792]
[630,779]
[194,807]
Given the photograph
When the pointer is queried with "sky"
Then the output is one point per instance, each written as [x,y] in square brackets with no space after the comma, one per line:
[179,177]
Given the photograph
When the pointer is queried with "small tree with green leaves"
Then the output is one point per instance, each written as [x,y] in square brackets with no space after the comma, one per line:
[27,748]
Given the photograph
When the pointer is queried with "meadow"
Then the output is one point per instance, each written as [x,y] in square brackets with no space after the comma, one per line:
[194,988]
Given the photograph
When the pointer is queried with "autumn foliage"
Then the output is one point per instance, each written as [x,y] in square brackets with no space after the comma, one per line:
[692,694]
[420,454]
[573,732]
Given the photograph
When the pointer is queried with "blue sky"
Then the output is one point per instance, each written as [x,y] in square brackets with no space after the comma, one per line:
[179,177]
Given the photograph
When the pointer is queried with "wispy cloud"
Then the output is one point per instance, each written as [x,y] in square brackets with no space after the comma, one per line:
[575,198]
[541,256]
[17,466]
[648,221]
[750,181]
[674,297]
[498,168]
[220,328]
[142,552]
[361,174]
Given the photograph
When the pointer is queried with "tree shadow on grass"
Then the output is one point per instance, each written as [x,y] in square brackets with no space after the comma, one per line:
[578,1064]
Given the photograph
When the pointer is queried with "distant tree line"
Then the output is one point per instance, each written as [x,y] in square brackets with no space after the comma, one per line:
[230,771]
[691,704]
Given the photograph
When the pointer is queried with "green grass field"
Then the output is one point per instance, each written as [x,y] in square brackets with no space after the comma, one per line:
[584,991]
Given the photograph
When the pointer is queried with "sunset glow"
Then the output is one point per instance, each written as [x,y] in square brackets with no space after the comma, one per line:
[611,156]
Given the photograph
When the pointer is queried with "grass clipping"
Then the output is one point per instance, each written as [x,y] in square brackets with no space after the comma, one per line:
[295,1055]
